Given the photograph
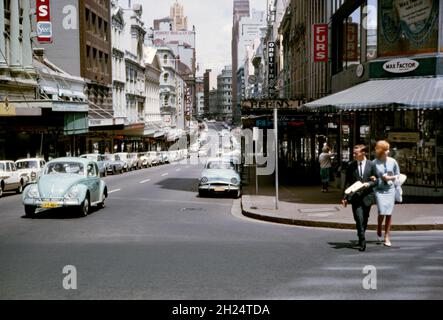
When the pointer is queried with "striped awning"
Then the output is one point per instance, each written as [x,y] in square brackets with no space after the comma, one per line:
[396,94]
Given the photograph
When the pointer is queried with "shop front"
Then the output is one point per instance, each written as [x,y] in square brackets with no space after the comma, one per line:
[407,113]
[299,141]
[48,129]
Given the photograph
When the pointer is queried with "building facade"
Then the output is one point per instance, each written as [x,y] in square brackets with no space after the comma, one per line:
[42,106]
[224,92]
[240,9]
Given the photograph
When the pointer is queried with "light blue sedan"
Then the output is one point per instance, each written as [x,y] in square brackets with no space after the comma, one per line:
[219,177]
[66,182]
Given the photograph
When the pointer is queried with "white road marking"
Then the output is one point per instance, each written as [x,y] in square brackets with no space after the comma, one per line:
[165,174]
[144,181]
[114,191]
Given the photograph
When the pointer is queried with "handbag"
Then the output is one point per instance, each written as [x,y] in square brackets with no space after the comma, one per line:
[399,180]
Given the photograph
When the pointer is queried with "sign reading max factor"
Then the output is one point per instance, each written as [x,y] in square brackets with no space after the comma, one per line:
[400,65]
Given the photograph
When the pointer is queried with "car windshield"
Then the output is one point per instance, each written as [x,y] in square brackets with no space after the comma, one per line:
[27,164]
[2,167]
[65,168]
[219,165]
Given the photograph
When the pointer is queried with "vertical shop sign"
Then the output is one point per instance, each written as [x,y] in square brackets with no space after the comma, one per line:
[44,25]
[320,42]
[271,68]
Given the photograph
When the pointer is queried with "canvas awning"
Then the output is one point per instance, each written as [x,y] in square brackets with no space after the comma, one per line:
[395,94]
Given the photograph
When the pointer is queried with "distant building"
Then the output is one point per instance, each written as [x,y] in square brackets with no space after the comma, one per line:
[84,49]
[200,89]
[207,86]
[224,89]
[240,9]
[177,15]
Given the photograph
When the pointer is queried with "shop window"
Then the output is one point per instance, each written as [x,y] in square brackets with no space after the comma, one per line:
[351,39]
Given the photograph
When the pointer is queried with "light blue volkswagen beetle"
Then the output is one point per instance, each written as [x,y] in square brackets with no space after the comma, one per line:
[66,182]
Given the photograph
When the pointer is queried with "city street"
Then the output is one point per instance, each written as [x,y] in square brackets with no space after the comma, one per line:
[156,239]
[221,150]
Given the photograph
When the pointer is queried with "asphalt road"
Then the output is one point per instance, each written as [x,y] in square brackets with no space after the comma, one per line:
[156,239]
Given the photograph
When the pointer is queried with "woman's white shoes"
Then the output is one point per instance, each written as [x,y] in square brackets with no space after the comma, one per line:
[387,243]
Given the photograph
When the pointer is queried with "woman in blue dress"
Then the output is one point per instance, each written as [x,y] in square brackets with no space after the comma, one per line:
[387,170]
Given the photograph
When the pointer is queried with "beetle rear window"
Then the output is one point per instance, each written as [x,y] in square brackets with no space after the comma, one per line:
[65,168]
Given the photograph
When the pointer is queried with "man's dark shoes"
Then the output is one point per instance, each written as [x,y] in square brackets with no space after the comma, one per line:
[362,246]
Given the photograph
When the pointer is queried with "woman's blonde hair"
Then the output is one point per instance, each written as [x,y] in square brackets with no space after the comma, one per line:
[381,147]
[326,149]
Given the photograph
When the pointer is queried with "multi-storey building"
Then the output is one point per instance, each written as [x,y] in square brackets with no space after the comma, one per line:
[153,121]
[207,87]
[82,47]
[173,32]
[118,62]
[200,89]
[240,9]
[41,105]
[178,16]
[224,91]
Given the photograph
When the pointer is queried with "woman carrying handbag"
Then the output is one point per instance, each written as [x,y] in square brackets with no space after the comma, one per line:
[388,171]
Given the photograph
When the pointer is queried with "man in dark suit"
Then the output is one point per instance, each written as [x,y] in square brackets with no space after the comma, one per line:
[363,170]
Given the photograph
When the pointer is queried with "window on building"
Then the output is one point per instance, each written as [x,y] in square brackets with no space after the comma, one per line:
[165,59]
[88,24]
[166,77]
[370,23]
[105,30]
[93,22]
[351,39]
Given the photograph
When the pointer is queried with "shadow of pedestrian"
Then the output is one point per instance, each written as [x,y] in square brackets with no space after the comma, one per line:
[352,244]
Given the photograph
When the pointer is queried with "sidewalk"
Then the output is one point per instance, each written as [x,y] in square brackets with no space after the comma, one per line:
[308,206]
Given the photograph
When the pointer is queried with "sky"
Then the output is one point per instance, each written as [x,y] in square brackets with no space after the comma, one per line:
[213,23]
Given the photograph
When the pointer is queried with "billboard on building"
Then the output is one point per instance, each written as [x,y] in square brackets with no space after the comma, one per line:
[407,27]
[320,42]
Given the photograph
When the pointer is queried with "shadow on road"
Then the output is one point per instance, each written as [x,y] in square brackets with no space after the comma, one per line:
[352,244]
[61,213]
[179,184]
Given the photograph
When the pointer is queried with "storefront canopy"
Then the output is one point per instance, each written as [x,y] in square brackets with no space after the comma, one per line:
[397,94]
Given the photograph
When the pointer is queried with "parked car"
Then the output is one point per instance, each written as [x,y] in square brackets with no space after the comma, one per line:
[124,156]
[115,165]
[66,182]
[164,156]
[31,167]
[153,158]
[10,178]
[136,162]
[101,161]
[219,176]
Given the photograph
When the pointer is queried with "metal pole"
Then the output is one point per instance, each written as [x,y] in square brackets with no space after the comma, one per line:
[256,175]
[276,157]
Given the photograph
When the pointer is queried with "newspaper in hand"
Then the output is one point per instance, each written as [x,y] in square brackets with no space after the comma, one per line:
[355,187]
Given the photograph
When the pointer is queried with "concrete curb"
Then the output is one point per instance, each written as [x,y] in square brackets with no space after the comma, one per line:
[336,225]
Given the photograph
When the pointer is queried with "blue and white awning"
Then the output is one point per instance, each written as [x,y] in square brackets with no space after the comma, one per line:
[397,94]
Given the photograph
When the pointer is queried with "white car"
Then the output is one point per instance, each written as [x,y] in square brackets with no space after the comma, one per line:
[220,176]
[10,178]
[32,167]
[124,156]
